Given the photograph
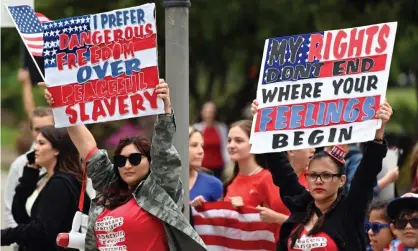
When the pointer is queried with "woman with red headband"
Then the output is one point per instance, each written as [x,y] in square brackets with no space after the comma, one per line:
[324,218]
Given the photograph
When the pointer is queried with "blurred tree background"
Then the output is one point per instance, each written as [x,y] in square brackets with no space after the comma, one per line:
[226,43]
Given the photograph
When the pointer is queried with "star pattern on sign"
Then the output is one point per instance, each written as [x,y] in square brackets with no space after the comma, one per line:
[301,57]
[69,26]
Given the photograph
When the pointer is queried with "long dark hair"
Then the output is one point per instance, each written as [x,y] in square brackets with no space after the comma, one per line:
[245,125]
[68,159]
[119,192]
[311,206]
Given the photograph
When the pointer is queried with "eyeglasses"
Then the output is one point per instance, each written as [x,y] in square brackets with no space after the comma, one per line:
[325,177]
[401,223]
[134,159]
[375,227]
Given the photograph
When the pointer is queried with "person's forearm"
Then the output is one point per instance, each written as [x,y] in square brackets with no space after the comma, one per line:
[28,99]
[280,218]
[383,183]
[380,133]
[82,139]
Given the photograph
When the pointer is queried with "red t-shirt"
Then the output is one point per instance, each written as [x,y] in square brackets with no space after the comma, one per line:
[129,227]
[317,242]
[212,148]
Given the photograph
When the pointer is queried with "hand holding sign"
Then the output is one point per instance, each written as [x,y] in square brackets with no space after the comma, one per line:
[163,92]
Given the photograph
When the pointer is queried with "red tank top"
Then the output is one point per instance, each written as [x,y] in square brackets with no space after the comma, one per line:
[318,242]
[129,227]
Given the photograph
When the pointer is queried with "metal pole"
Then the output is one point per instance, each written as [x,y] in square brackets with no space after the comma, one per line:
[177,76]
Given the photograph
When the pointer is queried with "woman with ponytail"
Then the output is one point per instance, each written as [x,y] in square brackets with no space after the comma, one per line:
[324,218]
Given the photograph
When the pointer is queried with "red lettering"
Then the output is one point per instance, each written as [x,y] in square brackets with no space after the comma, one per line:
[129,84]
[112,87]
[61,60]
[123,108]
[110,105]
[141,81]
[152,98]
[64,40]
[82,60]
[137,102]
[106,53]
[83,115]
[148,30]
[73,42]
[117,35]
[85,37]
[97,38]
[78,93]
[98,110]
[117,50]
[66,92]
[121,86]
[128,49]
[107,38]
[340,46]
[129,33]
[314,49]
[71,60]
[328,48]
[90,92]
[139,31]
[371,32]
[94,54]
[381,38]
[102,88]
[71,113]
[356,43]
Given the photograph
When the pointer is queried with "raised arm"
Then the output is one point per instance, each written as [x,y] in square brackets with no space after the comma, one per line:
[361,190]
[165,160]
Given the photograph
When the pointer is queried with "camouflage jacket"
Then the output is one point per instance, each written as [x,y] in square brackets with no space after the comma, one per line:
[161,194]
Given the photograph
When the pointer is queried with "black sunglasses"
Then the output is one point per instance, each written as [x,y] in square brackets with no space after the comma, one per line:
[401,223]
[134,159]
[375,227]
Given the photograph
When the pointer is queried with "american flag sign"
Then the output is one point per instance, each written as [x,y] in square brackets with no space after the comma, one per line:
[225,228]
[102,67]
[29,25]
[322,88]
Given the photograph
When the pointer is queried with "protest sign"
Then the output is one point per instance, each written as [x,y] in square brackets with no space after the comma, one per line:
[102,67]
[322,88]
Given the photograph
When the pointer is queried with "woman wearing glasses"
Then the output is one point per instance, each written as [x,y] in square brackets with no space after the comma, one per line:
[323,218]
[140,196]
[378,226]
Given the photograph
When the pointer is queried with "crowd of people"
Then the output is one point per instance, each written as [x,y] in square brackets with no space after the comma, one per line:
[320,199]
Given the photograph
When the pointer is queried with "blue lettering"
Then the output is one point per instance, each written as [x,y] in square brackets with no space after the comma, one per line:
[281,117]
[104,21]
[350,113]
[334,112]
[116,69]
[132,65]
[101,72]
[295,119]
[125,17]
[368,110]
[83,74]
[140,16]
[309,121]
[112,21]
[321,113]
[118,18]
[95,21]
[265,118]
[133,19]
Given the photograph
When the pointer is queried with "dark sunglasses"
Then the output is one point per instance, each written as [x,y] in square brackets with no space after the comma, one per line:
[401,223]
[134,159]
[375,227]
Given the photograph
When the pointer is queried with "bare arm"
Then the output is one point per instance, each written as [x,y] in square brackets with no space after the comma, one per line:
[28,100]
[82,139]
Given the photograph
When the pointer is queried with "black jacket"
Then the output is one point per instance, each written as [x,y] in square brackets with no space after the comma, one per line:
[345,224]
[52,212]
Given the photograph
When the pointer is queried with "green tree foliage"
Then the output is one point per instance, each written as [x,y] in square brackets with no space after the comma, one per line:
[227,38]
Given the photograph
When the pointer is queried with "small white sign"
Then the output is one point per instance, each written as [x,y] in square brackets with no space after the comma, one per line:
[6,21]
